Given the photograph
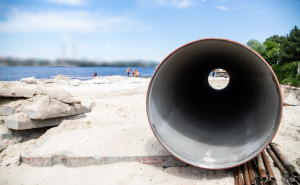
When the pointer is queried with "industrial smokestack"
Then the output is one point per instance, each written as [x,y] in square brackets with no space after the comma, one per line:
[207,127]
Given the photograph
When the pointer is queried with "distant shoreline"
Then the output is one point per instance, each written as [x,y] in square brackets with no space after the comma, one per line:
[74,63]
[80,66]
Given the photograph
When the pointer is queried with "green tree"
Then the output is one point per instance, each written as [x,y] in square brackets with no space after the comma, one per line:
[272,52]
[294,43]
[276,38]
[283,54]
[257,46]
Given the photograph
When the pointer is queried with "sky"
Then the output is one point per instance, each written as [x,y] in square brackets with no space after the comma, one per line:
[134,29]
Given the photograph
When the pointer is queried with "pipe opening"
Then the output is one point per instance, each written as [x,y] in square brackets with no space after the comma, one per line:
[218,79]
[264,179]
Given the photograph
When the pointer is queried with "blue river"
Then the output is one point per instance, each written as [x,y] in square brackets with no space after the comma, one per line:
[82,73]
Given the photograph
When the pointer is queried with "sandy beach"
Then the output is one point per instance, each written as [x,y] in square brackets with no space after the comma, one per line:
[118,125]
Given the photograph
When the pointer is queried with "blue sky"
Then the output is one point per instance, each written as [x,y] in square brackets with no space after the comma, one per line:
[134,29]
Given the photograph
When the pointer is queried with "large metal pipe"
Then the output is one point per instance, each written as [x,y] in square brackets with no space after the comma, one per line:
[211,128]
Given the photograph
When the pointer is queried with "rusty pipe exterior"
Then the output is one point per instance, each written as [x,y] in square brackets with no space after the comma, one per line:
[286,175]
[246,174]
[241,178]
[286,163]
[268,166]
[236,176]
[207,127]
[251,173]
[256,176]
[277,162]
[261,169]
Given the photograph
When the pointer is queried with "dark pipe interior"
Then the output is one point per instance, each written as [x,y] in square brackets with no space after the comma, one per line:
[213,128]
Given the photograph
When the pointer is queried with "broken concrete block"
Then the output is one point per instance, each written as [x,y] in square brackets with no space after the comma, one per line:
[60,95]
[2,119]
[44,107]
[290,95]
[18,89]
[29,80]
[20,121]
[6,111]
[5,133]
[9,106]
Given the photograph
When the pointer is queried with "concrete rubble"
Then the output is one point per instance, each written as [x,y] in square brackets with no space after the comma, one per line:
[2,119]
[29,80]
[291,95]
[20,121]
[44,107]
[23,90]
[28,105]
[5,132]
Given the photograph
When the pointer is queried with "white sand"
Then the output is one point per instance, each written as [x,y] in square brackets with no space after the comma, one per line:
[121,102]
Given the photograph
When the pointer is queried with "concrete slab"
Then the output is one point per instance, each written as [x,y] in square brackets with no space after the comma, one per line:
[80,161]
[2,119]
[5,133]
[44,107]
[6,111]
[99,145]
[20,121]
[19,89]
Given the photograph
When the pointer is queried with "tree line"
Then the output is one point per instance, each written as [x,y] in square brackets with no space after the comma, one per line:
[283,54]
[8,61]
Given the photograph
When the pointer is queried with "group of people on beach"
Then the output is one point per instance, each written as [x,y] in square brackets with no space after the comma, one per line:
[134,73]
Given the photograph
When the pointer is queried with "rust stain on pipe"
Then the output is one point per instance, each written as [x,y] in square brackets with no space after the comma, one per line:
[236,176]
[286,163]
[277,162]
[256,176]
[268,166]
[261,169]
[241,178]
[246,174]
[284,172]
[251,173]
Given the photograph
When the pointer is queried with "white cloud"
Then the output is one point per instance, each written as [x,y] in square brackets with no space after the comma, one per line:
[64,21]
[66,38]
[68,2]
[222,7]
[108,45]
[166,3]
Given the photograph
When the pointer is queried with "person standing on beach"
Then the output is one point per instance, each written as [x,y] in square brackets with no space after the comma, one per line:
[137,73]
[133,72]
[128,72]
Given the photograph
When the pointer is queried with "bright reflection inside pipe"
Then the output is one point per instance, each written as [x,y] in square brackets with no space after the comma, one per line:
[218,79]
